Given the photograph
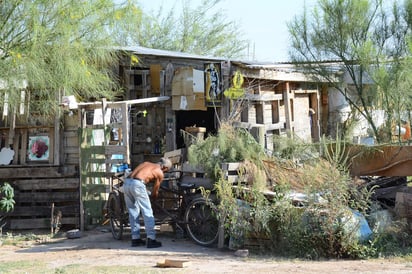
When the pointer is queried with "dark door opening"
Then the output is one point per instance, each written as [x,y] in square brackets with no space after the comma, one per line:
[196,118]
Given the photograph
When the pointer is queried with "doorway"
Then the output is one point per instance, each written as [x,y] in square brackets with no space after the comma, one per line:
[197,118]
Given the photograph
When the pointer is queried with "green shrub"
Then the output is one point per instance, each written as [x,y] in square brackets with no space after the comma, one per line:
[6,197]
[321,226]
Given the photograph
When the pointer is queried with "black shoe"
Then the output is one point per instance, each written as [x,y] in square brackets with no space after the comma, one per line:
[153,243]
[138,242]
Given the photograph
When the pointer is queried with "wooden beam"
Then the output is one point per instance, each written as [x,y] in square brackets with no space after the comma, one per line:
[264,97]
[33,211]
[52,183]
[173,263]
[57,134]
[98,104]
[45,197]
[288,109]
[125,133]
[246,125]
[16,172]
[39,223]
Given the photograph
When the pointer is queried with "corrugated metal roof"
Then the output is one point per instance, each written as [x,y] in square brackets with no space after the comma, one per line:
[159,52]
[287,67]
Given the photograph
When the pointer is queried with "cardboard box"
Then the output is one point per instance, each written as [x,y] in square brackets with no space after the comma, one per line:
[188,81]
[189,102]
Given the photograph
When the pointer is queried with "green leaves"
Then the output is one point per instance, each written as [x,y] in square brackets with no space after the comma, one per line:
[195,30]
[366,43]
[59,47]
[6,195]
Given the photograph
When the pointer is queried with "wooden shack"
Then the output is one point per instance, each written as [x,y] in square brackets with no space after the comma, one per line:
[282,101]
[40,161]
[164,94]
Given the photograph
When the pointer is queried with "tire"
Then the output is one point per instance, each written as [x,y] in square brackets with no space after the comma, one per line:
[115,211]
[201,222]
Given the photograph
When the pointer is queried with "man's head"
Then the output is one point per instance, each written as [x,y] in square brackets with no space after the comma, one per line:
[165,164]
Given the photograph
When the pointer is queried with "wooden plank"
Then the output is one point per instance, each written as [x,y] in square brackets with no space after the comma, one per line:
[231,166]
[71,150]
[72,160]
[31,211]
[126,133]
[12,129]
[110,150]
[16,145]
[176,156]
[47,184]
[23,148]
[191,169]
[233,179]
[288,109]
[97,174]
[173,263]
[246,125]
[94,150]
[46,197]
[174,153]
[104,161]
[231,173]
[70,134]
[114,161]
[40,223]
[52,146]
[304,91]
[128,102]
[264,97]
[17,172]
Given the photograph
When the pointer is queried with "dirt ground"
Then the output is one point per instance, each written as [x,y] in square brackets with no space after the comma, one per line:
[98,248]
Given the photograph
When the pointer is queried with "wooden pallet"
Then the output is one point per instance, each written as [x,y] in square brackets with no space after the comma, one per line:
[35,199]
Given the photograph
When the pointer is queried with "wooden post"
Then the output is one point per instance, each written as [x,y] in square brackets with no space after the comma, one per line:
[57,134]
[52,220]
[315,127]
[259,132]
[125,134]
[104,109]
[82,118]
[288,110]
[221,233]
[12,129]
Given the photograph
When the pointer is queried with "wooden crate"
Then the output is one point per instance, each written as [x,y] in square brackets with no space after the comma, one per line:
[257,243]
[232,174]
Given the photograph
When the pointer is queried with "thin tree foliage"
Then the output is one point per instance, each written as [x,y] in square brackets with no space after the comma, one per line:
[55,48]
[203,29]
[364,44]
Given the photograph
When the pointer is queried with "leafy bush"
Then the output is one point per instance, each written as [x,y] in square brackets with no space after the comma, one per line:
[6,197]
[323,225]
[243,209]
[230,145]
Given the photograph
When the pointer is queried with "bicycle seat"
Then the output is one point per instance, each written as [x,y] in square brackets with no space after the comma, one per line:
[187,185]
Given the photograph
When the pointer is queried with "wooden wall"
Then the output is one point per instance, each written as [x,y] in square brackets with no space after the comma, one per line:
[40,184]
[279,107]
[37,188]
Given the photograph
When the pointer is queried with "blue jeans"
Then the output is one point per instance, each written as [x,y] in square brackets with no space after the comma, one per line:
[137,200]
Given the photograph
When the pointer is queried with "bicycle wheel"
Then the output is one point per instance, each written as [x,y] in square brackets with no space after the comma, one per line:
[116,215]
[201,222]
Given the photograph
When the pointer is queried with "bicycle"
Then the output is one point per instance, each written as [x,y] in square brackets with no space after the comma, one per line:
[179,203]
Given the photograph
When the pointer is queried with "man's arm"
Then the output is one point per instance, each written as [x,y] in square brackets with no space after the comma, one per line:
[158,180]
